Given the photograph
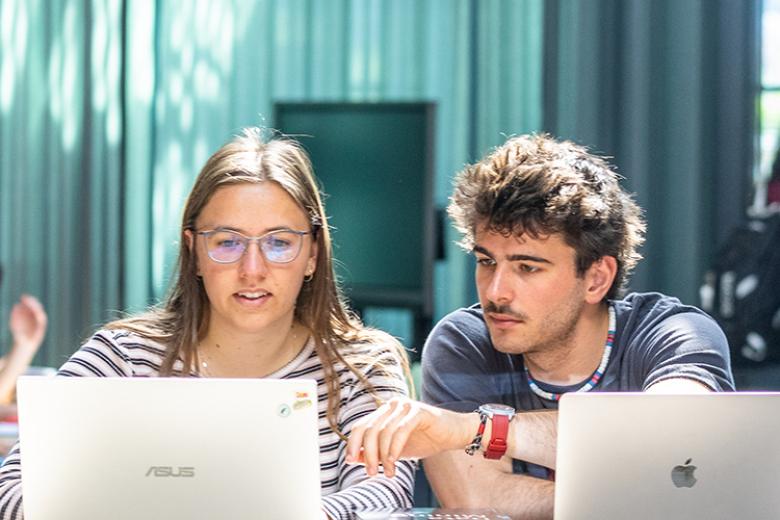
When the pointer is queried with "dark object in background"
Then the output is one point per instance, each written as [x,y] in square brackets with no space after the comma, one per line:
[376,165]
[742,291]
[773,187]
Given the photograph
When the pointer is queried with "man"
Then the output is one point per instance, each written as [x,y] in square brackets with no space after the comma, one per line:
[555,238]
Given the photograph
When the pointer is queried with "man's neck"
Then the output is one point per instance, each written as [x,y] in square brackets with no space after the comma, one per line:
[579,356]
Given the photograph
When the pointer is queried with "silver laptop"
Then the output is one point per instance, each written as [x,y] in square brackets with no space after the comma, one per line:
[647,456]
[168,448]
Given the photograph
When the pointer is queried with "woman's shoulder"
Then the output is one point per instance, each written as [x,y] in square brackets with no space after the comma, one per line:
[376,356]
[374,367]
[125,340]
[115,352]
[376,345]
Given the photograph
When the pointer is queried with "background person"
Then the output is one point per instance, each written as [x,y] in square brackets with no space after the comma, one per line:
[27,323]
[255,296]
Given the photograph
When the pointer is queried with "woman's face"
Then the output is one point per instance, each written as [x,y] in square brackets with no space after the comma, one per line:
[251,295]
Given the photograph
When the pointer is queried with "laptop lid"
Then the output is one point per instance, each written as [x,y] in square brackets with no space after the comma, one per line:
[649,456]
[168,448]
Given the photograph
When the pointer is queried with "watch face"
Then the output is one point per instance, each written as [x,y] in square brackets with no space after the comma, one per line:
[500,409]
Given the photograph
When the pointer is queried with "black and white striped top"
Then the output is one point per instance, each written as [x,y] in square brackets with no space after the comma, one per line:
[345,488]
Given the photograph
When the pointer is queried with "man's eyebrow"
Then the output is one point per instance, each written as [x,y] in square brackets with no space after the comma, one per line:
[527,258]
[512,258]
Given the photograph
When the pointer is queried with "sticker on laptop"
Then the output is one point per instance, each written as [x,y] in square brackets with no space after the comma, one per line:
[302,401]
[300,404]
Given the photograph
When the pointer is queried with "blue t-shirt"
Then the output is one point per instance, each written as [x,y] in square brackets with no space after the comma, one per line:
[656,338]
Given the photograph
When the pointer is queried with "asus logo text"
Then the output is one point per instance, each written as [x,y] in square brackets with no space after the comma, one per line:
[169,471]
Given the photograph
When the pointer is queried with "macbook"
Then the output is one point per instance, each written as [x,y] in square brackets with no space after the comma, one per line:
[168,448]
[649,456]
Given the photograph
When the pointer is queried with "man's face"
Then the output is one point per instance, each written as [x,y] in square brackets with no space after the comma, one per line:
[529,290]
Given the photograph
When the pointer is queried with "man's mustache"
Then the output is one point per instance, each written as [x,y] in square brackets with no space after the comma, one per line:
[491,307]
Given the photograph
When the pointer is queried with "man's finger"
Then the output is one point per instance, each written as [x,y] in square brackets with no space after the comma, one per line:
[370,426]
[386,437]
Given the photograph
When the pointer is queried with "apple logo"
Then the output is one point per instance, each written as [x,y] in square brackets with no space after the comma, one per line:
[682,475]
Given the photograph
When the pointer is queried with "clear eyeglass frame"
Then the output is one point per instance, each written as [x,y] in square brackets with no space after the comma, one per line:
[280,246]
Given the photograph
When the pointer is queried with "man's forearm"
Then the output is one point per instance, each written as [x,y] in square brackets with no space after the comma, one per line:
[532,437]
[463,481]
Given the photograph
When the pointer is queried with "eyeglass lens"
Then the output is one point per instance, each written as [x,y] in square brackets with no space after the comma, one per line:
[278,246]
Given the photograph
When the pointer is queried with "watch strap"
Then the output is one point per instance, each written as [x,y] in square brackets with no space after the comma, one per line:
[498,434]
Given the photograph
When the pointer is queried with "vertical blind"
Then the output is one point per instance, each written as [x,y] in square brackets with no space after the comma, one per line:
[108,109]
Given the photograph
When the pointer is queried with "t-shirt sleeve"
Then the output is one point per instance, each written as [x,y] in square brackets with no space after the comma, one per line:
[459,365]
[687,345]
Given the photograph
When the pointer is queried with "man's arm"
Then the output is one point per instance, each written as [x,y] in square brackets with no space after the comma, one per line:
[405,429]
[402,429]
[682,350]
[464,481]
[678,386]
[472,481]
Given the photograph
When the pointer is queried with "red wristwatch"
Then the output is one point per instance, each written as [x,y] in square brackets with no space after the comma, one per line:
[500,415]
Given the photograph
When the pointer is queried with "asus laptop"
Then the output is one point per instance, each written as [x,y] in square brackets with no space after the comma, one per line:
[649,457]
[168,448]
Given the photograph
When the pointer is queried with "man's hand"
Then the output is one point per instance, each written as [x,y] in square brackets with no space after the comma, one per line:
[406,429]
[28,324]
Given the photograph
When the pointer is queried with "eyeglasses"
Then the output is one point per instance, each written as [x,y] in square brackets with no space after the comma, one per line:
[226,247]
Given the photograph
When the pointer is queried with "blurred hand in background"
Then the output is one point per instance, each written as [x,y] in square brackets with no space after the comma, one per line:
[27,323]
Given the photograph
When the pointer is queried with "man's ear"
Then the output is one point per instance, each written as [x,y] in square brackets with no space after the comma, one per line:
[599,278]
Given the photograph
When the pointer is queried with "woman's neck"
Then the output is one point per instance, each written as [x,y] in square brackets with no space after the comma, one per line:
[236,355]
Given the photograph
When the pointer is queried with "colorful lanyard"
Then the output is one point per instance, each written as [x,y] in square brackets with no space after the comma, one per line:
[595,378]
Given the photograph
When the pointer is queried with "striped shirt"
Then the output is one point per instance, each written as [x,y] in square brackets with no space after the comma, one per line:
[345,488]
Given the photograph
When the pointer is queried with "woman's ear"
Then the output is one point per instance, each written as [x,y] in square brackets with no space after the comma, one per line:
[189,238]
[599,278]
[311,263]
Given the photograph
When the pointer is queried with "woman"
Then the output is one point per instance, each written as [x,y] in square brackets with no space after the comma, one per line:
[255,296]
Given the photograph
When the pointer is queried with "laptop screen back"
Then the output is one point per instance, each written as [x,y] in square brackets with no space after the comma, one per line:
[168,448]
[650,456]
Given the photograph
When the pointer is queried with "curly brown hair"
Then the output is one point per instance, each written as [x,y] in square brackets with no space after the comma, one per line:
[536,185]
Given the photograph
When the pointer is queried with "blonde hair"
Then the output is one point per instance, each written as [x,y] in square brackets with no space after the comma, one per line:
[183,318]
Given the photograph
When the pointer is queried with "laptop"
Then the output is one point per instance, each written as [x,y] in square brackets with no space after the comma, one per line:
[648,456]
[168,448]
